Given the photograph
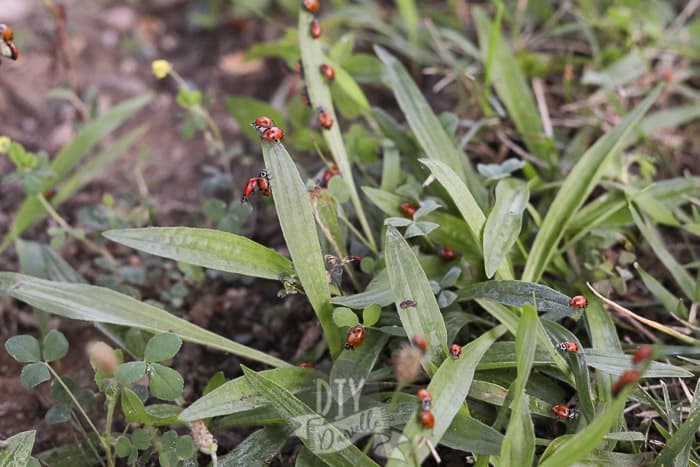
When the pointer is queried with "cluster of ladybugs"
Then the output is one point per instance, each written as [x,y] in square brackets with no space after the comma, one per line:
[632,375]
[325,119]
[445,252]
[7,47]
[268,131]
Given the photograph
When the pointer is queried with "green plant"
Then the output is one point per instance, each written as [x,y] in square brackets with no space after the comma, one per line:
[526,236]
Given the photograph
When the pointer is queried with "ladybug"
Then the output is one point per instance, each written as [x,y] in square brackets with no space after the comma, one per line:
[425,398]
[427,419]
[356,337]
[263,181]
[50,193]
[7,47]
[409,209]
[311,6]
[249,189]
[328,72]
[446,253]
[407,304]
[304,94]
[641,354]
[568,346]
[262,123]
[325,119]
[307,365]
[421,343]
[563,411]
[579,301]
[329,173]
[455,350]
[299,68]
[315,28]
[626,378]
[273,134]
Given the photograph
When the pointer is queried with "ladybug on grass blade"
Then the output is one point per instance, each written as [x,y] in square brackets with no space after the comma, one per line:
[641,354]
[356,337]
[315,28]
[579,301]
[564,412]
[304,94]
[329,173]
[249,189]
[262,123]
[273,134]
[626,378]
[421,343]
[408,304]
[455,350]
[325,119]
[425,398]
[446,253]
[328,72]
[311,6]
[427,418]
[568,346]
[263,181]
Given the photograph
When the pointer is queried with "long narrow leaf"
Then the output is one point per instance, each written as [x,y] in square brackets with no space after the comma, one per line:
[449,388]
[320,96]
[504,222]
[299,229]
[431,135]
[31,211]
[576,187]
[213,249]
[299,416]
[257,449]
[92,303]
[408,282]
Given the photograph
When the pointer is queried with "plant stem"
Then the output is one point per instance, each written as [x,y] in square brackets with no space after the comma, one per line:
[62,222]
[105,444]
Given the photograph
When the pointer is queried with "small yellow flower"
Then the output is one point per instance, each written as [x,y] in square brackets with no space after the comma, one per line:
[161,68]
[4,144]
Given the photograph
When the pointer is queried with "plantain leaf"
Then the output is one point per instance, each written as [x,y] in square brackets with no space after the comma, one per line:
[504,222]
[517,293]
[409,282]
[92,303]
[299,229]
[213,249]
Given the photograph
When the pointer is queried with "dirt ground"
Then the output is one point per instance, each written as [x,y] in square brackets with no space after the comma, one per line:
[110,50]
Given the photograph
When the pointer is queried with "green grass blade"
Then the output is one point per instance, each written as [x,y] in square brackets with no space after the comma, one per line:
[295,411]
[669,301]
[513,89]
[409,282]
[658,245]
[466,433]
[31,211]
[98,164]
[391,168]
[519,443]
[92,303]
[430,133]
[576,187]
[312,57]
[257,449]
[17,449]
[299,229]
[238,395]
[449,388]
[467,206]
[213,249]
[517,293]
[504,222]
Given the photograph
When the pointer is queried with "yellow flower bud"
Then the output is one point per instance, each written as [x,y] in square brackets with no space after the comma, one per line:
[4,144]
[161,68]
